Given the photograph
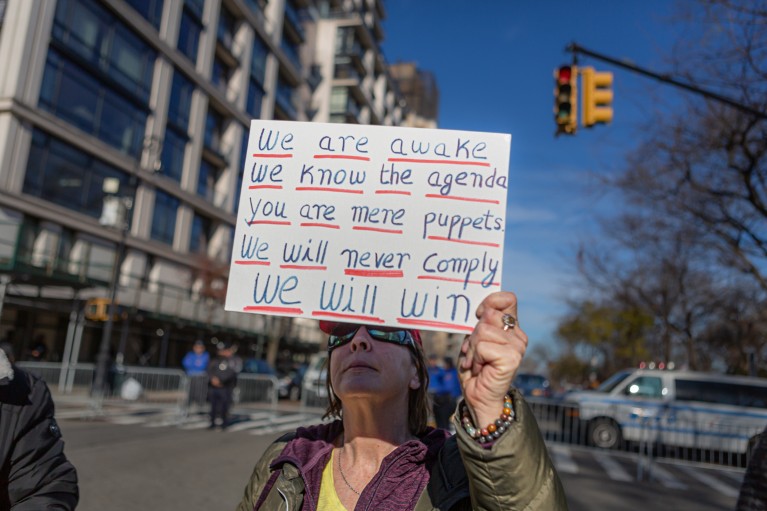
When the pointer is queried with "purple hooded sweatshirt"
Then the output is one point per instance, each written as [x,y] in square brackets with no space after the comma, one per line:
[398,484]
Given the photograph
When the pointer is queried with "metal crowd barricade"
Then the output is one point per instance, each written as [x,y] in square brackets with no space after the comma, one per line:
[149,385]
[256,388]
[656,436]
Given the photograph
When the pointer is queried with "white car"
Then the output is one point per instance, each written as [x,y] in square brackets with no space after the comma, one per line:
[674,408]
[314,387]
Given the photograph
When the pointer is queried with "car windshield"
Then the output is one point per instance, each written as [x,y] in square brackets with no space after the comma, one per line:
[613,381]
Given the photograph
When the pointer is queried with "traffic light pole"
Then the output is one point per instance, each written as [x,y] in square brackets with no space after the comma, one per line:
[577,49]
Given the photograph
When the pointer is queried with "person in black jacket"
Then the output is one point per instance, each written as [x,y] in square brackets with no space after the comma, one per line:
[753,491]
[222,379]
[34,472]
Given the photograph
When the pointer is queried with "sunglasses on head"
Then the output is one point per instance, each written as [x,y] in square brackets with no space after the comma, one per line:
[343,333]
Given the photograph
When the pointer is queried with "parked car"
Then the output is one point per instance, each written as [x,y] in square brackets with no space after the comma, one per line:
[290,383]
[532,385]
[314,390]
[672,408]
[258,366]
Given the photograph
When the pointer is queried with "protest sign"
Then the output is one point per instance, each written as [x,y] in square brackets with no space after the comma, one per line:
[370,224]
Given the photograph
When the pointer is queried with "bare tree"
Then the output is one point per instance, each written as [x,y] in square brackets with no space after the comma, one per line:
[691,246]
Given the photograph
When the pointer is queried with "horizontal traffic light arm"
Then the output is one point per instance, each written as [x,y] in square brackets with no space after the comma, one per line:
[577,49]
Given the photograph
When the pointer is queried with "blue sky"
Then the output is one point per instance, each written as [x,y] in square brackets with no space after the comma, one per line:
[494,62]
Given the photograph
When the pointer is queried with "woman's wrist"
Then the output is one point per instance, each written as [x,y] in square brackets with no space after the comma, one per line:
[490,429]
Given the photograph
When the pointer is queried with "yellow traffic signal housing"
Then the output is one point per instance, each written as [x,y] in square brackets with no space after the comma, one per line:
[97,309]
[566,99]
[597,97]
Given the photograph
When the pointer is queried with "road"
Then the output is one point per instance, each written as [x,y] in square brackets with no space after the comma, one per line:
[142,460]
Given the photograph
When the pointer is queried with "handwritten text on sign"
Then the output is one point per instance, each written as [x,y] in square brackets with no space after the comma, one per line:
[371,224]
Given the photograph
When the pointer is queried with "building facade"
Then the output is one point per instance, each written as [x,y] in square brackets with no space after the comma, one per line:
[123,126]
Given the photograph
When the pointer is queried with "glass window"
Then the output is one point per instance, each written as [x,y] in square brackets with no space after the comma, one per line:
[79,98]
[258,61]
[256,5]
[214,127]
[195,7]
[227,25]
[613,381]
[285,97]
[172,157]
[164,217]
[201,231]
[3,3]
[241,173]
[64,175]
[220,74]
[645,386]
[112,50]
[149,9]
[180,101]
[189,35]
[255,98]
[206,180]
[291,50]
[725,393]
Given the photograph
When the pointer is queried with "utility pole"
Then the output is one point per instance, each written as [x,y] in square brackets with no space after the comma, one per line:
[120,218]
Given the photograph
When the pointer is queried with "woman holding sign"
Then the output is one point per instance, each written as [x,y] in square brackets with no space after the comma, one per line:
[380,454]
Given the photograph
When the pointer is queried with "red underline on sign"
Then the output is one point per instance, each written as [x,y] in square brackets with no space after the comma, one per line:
[441,162]
[339,315]
[268,308]
[314,224]
[376,229]
[270,222]
[373,273]
[302,267]
[268,155]
[325,189]
[467,242]
[340,157]
[392,192]
[440,324]
[446,279]
[261,187]
[454,197]
[259,263]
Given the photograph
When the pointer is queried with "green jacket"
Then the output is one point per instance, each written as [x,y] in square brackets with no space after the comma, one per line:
[516,473]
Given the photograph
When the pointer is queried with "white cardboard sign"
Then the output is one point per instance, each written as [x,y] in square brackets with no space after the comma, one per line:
[370,224]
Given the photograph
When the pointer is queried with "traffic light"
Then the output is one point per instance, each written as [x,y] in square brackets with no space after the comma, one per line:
[597,97]
[566,99]
[97,309]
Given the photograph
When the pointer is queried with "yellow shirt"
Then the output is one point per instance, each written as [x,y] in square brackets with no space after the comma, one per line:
[328,500]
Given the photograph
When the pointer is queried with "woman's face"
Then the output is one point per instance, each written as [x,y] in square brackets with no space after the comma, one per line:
[371,369]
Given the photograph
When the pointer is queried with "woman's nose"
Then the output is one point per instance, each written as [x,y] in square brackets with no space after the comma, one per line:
[361,340]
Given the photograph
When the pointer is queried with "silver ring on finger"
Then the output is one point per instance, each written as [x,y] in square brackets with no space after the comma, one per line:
[509,322]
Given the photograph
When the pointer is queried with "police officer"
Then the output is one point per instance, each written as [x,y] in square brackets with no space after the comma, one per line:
[222,379]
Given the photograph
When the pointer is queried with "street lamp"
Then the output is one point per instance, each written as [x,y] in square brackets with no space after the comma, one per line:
[116,214]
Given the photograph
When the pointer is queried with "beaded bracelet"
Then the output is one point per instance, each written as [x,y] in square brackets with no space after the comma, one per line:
[493,430]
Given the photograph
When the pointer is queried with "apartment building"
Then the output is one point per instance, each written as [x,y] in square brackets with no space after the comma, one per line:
[123,126]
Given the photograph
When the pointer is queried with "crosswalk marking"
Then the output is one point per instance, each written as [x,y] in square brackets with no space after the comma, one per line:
[562,458]
[710,481]
[665,478]
[614,470]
